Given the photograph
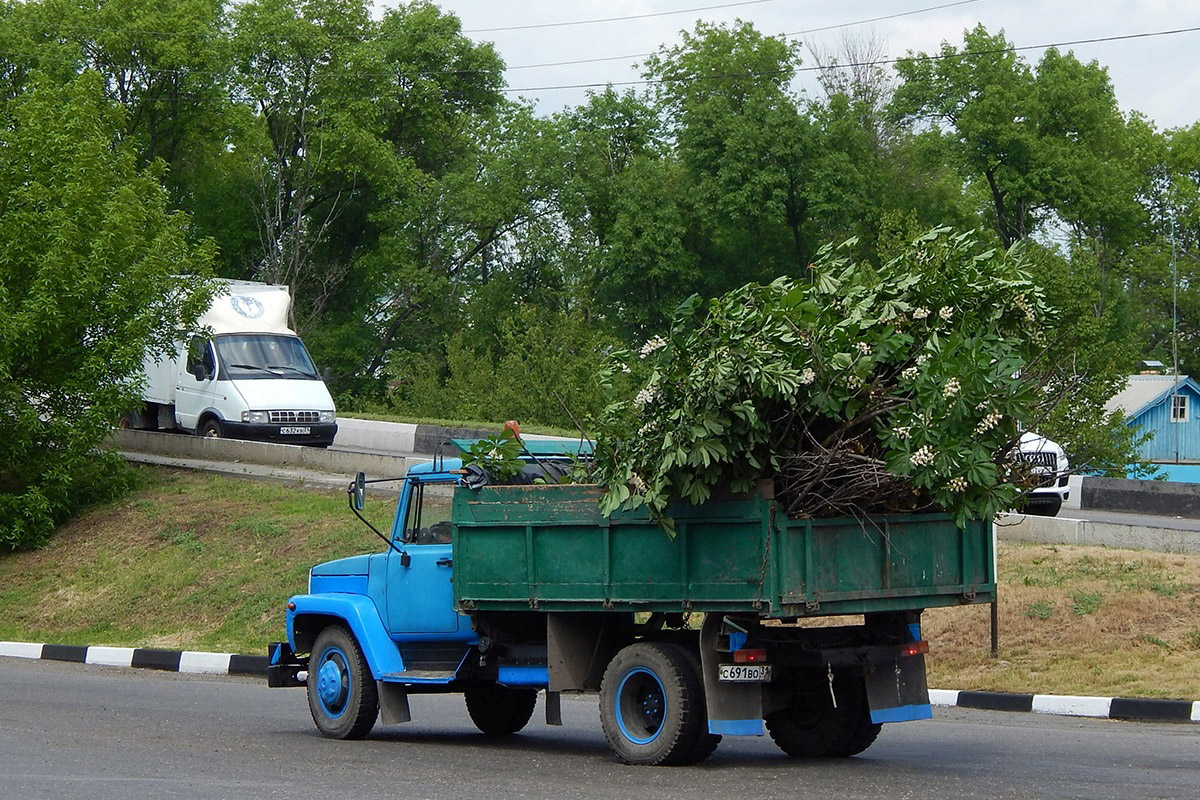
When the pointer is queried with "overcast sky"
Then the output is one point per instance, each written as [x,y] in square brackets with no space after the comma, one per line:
[1159,76]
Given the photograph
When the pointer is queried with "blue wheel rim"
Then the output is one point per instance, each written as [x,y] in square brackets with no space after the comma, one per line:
[640,706]
[333,682]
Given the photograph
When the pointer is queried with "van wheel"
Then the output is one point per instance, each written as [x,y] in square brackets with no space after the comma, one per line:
[210,429]
[342,695]
[500,710]
[652,706]
[811,727]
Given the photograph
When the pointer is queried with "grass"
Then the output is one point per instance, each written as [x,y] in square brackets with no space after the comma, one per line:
[189,561]
[206,562]
[1078,620]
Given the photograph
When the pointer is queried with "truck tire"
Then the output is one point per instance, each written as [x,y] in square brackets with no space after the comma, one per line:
[500,710]
[707,743]
[652,706]
[813,728]
[211,429]
[342,695]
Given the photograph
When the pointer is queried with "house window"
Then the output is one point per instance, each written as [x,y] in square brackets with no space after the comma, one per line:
[1179,408]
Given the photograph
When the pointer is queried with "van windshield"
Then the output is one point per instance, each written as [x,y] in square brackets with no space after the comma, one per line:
[247,356]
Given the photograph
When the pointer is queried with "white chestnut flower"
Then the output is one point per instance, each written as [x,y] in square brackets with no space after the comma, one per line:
[988,422]
[646,396]
[923,457]
[909,373]
[957,484]
[921,359]
[946,313]
[807,376]
[920,312]
[863,348]
[903,432]
[651,345]
[951,388]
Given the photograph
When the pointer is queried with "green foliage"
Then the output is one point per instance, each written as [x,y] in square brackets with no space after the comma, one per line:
[499,456]
[1039,610]
[540,367]
[1084,603]
[858,391]
[89,254]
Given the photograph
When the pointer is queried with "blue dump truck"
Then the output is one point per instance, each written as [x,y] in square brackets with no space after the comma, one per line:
[746,622]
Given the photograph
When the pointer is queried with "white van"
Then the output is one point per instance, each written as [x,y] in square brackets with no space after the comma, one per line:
[251,379]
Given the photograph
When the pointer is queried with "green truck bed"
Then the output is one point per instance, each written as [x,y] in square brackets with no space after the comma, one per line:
[550,548]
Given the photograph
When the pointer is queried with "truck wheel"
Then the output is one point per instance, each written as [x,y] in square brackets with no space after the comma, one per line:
[210,429]
[707,743]
[813,728]
[652,705]
[342,695]
[500,710]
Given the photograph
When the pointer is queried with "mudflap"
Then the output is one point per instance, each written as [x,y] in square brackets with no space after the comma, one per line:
[898,692]
[284,666]
[734,709]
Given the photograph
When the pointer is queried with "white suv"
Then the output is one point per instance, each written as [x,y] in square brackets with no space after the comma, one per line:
[1050,469]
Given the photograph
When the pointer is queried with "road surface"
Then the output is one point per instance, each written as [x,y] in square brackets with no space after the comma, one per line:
[76,731]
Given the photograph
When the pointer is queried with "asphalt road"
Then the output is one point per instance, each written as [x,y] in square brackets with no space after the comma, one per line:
[74,731]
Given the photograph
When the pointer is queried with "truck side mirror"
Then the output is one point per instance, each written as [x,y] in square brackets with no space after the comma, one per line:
[197,371]
[327,375]
[358,489]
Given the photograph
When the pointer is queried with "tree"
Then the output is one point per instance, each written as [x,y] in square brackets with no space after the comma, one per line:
[89,254]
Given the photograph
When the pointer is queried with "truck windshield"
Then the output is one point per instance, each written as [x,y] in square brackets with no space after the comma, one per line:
[247,356]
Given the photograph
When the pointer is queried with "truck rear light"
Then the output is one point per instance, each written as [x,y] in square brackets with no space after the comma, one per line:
[914,649]
[750,655]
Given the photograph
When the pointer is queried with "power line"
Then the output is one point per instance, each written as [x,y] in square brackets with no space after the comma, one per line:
[785,35]
[64,59]
[853,64]
[615,19]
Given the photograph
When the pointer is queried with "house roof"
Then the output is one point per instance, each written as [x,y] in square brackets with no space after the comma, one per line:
[1143,391]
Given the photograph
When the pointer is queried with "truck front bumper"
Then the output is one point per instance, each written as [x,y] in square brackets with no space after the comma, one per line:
[284,666]
[319,434]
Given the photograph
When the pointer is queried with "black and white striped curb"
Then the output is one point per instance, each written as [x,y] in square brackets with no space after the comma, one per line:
[1124,708]
[142,658]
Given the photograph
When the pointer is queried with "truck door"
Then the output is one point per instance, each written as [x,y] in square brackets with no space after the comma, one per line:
[420,598]
[194,388]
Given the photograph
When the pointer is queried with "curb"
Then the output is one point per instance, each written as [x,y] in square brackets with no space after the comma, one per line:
[1131,709]
[1134,709]
[141,658]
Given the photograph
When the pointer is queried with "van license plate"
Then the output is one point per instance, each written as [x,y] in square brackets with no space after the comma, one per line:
[744,673]
[299,431]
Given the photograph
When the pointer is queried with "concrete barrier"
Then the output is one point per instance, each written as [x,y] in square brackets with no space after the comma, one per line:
[1142,497]
[183,446]
[1060,530]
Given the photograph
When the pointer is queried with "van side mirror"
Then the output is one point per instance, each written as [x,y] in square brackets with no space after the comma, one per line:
[358,490]
[197,371]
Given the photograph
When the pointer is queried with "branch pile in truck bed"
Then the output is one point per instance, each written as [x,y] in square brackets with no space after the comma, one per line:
[857,389]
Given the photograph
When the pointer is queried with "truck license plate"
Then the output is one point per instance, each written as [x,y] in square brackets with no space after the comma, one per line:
[744,673]
[300,431]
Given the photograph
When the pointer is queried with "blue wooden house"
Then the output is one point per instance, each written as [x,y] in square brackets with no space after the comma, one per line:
[1167,406]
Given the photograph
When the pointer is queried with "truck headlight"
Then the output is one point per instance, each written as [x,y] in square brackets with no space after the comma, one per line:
[328,416]
[258,417]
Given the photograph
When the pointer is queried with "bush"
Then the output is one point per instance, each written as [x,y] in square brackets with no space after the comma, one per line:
[89,251]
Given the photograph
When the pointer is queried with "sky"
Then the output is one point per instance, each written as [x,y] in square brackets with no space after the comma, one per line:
[1158,76]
